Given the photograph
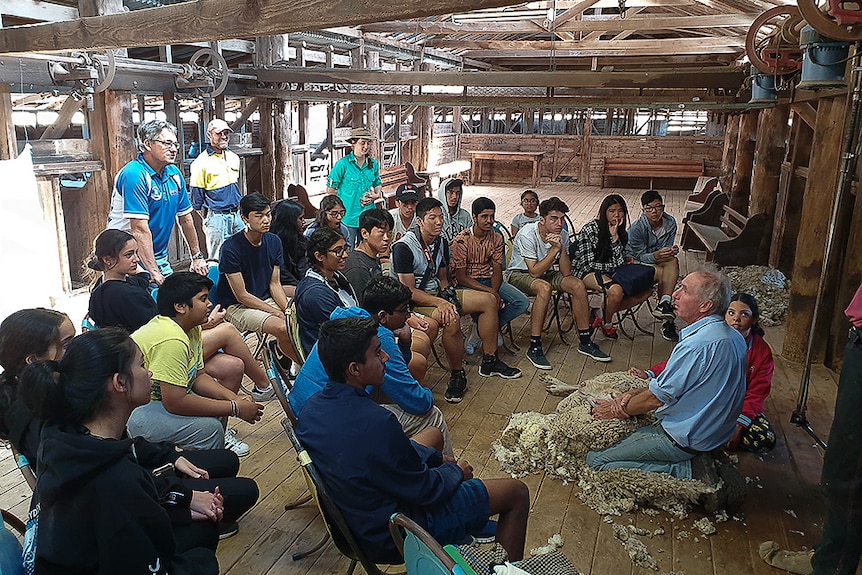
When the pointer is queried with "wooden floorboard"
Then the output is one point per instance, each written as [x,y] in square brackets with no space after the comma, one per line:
[783,502]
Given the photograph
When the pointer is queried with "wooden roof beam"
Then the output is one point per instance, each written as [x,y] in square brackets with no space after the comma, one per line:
[208,20]
[587,24]
[482,48]
[673,78]
[39,11]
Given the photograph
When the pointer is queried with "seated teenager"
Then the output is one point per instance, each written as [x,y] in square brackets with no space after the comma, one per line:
[86,455]
[30,335]
[121,299]
[600,249]
[249,286]
[324,287]
[363,264]
[404,214]
[287,224]
[187,402]
[651,238]
[529,203]
[389,301]
[477,260]
[753,432]
[420,260]
[373,470]
[538,247]
[329,215]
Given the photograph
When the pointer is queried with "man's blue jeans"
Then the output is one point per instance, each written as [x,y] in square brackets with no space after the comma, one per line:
[648,449]
[218,227]
[514,299]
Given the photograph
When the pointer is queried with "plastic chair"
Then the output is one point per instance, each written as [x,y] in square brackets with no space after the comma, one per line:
[332,516]
[423,555]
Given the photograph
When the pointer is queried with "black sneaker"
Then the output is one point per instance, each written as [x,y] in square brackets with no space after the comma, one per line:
[282,361]
[226,530]
[668,331]
[495,366]
[664,310]
[537,357]
[457,387]
[593,351]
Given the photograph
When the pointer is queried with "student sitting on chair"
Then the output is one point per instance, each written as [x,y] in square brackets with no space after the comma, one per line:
[249,286]
[598,251]
[329,215]
[530,203]
[420,260]
[537,248]
[96,509]
[363,264]
[387,300]
[477,261]
[324,287]
[373,470]
[171,343]
[287,224]
[651,238]
[121,299]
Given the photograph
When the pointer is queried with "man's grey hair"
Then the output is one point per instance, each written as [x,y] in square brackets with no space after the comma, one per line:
[150,130]
[714,287]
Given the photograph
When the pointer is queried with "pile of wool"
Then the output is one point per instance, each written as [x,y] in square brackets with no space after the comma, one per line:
[768,286]
[557,444]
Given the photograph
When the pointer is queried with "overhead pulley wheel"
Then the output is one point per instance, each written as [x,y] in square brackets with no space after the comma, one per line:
[215,66]
[772,42]
[833,19]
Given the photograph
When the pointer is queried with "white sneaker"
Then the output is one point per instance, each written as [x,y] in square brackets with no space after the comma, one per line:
[261,395]
[473,340]
[234,444]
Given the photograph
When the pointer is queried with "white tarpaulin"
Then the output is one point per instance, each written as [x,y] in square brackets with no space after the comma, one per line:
[30,274]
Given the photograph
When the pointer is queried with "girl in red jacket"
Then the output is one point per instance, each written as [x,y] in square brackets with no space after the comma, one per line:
[753,432]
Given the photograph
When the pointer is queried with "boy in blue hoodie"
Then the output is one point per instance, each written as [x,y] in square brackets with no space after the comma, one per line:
[388,300]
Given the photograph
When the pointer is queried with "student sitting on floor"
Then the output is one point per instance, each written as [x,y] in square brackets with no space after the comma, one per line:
[171,343]
[95,508]
[373,470]
[598,251]
[389,301]
[324,287]
[121,299]
[753,432]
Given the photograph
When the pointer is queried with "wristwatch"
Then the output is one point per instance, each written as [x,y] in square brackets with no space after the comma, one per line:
[198,256]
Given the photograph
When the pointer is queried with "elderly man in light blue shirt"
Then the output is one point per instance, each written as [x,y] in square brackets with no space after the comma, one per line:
[696,398]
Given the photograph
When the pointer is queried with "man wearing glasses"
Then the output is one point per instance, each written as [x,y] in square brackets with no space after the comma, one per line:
[651,239]
[149,194]
[213,183]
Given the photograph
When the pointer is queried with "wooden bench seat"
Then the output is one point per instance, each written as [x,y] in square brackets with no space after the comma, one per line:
[393,177]
[700,194]
[735,242]
[651,168]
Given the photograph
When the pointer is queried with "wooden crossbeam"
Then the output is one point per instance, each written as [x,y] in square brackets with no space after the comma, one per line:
[40,11]
[587,24]
[64,118]
[701,77]
[208,20]
[724,44]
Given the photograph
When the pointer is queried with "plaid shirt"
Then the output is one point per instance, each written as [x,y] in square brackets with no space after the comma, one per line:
[584,252]
[475,255]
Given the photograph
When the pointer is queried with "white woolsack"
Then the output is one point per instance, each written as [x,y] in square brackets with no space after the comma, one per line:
[557,443]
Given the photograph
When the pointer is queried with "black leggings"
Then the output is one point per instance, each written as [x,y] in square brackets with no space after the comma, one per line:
[240,494]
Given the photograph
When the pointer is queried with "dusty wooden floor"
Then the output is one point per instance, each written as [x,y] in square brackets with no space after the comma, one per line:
[783,503]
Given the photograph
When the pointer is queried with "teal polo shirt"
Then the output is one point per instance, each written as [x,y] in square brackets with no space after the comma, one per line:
[352,180]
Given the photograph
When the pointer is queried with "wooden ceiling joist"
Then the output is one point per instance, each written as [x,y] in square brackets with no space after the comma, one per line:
[39,11]
[587,24]
[723,45]
[729,78]
[208,20]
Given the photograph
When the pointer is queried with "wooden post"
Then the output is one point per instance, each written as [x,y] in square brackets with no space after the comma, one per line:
[8,139]
[740,187]
[375,119]
[772,129]
[586,148]
[851,277]
[275,126]
[791,189]
[823,172]
[728,157]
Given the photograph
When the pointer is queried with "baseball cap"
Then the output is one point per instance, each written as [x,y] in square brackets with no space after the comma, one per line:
[406,193]
[218,126]
[454,182]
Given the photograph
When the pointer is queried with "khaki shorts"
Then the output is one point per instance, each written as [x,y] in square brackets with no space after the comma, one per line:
[428,310]
[249,319]
[523,280]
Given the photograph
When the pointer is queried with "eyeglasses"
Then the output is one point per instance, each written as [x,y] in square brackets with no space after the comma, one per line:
[652,209]
[175,145]
[530,201]
[339,252]
[336,214]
